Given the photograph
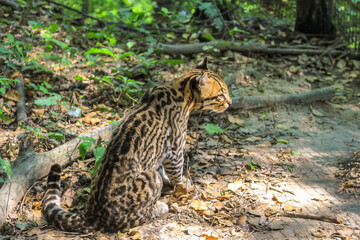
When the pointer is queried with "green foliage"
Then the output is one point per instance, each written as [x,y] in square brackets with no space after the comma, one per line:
[15,54]
[98,151]
[38,132]
[291,167]
[5,166]
[211,10]
[211,128]
[98,50]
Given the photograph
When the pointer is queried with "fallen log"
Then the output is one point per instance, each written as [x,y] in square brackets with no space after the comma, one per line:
[251,102]
[187,49]
[31,166]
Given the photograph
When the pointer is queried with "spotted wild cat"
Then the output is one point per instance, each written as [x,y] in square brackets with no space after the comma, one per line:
[127,184]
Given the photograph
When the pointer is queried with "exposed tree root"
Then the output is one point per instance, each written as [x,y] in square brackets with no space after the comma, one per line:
[186,49]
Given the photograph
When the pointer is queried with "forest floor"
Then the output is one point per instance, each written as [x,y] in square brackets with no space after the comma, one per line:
[286,172]
[297,153]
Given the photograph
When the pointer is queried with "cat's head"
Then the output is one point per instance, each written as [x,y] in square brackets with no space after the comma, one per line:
[210,90]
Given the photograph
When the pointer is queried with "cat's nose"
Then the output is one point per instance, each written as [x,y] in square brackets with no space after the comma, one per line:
[230,101]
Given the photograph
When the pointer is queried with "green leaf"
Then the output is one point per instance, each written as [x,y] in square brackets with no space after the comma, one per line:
[211,128]
[282,141]
[5,166]
[47,35]
[10,37]
[291,167]
[293,152]
[264,115]
[61,44]
[46,101]
[208,36]
[53,27]
[28,128]
[126,54]
[98,153]
[19,49]
[90,139]
[4,117]
[4,50]
[130,44]
[231,32]
[55,135]
[100,50]
[79,78]
[83,148]
[253,165]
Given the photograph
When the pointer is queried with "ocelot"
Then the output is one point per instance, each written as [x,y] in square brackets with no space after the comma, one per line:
[127,185]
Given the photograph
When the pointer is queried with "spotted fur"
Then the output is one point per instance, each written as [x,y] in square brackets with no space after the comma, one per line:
[127,184]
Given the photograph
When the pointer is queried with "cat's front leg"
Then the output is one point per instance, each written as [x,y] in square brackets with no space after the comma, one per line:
[173,167]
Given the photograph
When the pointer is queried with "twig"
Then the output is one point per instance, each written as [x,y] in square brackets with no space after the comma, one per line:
[21,110]
[313,217]
[23,200]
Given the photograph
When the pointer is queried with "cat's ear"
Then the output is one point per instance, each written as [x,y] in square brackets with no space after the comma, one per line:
[203,64]
[202,80]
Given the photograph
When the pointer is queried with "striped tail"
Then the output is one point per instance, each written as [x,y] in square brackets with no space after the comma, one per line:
[55,215]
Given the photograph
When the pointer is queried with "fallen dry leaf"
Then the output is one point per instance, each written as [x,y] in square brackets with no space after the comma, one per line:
[264,144]
[12,94]
[238,183]
[291,208]
[218,206]
[199,205]
[318,235]
[90,118]
[15,74]
[253,139]
[236,120]
[209,237]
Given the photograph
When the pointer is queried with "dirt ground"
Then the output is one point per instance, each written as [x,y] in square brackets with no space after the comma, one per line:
[273,174]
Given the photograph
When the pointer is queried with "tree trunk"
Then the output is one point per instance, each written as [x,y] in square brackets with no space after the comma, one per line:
[314,17]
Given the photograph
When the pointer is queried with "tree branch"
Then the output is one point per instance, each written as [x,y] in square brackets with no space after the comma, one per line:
[247,48]
[77,11]
[11,4]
